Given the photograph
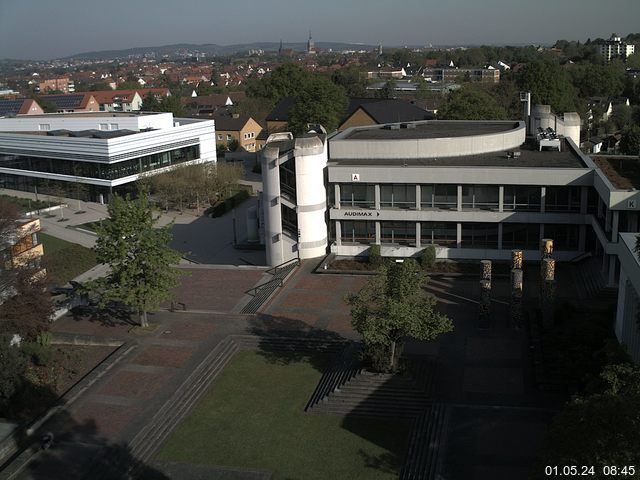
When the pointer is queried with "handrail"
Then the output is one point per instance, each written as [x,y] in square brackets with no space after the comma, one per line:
[274,270]
[254,291]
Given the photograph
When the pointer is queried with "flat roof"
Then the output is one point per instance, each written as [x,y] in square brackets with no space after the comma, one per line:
[432,129]
[87,114]
[529,157]
[622,172]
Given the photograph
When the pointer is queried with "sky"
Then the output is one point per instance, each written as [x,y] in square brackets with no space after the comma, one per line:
[40,29]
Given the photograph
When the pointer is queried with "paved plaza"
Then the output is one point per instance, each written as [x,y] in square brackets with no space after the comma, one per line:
[494,417]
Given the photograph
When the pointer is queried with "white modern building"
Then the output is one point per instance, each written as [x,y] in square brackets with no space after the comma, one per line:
[473,189]
[615,48]
[107,152]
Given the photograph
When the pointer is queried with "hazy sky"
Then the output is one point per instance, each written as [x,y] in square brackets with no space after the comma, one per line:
[41,29]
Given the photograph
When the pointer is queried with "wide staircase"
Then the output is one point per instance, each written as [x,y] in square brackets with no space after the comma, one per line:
[590,282]
[262,293]
[421,462]
[349,390]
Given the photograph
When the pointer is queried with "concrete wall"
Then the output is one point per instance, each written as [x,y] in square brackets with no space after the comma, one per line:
[345,148]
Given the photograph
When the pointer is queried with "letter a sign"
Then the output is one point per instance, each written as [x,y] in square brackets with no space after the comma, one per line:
[355,177]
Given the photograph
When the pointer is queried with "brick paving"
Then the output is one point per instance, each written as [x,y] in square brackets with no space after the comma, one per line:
[484,369]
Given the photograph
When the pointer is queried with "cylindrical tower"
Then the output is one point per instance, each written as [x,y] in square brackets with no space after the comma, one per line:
[274,244]
[311,160]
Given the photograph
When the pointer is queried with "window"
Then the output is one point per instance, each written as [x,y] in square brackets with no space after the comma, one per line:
[357,195]
[113,126]
[479,235]
[522,236]
[521,198]
[289,221]
[104,126]
[229,137]
[444,197]
[219,136]
[565,237]
[288,179]
[445,234]
[44,127]
[562,199]
[398,196]
[401,233]
[480,197]
[358,232]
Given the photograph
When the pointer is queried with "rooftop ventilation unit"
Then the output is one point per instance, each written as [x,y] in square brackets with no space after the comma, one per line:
[513,154]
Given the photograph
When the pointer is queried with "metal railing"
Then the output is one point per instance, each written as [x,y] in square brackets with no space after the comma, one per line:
[278,268]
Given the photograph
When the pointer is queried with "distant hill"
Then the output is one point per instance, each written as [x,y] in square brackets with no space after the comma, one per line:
[211,49]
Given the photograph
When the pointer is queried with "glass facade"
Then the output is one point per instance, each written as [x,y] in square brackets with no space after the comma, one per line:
[480,235]
[521,198]
[402,233]
[480,197]
[357,195]
[444,197]
[288,179]
[103,171]
[522,236]
[443,234]
[562,199]
[289,221]
[565,237]
[398,196]
[358,232]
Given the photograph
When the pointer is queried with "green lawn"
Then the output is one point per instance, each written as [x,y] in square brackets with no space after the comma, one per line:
[64,260]
[253,417]
[89,225]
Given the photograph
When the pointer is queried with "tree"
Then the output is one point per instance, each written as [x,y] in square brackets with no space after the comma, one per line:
[388,89]
[12,371]
[392,306]
[549,84]
[602,428]
[150,103]
[141,264]
[630,141]
[320,102]
[471,103]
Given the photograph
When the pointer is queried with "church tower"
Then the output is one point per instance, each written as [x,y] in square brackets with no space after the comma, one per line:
[311,47]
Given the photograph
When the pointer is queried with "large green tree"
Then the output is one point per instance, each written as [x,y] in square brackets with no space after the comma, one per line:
[391,306]
[630,141]
[471,103]
[549,84]
[600,429]
[141,265]
[320,102]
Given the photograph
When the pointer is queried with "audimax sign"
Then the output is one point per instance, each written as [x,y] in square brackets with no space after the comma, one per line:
[359,213]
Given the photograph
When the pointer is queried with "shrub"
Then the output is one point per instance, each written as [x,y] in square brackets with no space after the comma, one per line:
[41,355]
[375,257]
[428,257]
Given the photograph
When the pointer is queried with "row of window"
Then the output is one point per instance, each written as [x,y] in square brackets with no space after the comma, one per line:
[474,235]
[475,197]
[107,171]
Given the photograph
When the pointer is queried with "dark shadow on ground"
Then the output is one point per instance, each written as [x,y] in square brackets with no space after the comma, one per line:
[109,316]
[77,450]
[284,340]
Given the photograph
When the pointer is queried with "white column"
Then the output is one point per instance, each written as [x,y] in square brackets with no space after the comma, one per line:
[338,232]
[501,200]
[336,192]
[543,195]
[418,198]
[459,235]
[418,245]
[459,198]
[376,190]
[378,233]
[614,226]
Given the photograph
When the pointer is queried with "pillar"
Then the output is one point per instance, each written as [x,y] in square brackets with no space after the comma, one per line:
[459,235]
[338,232]
[418,198]
[376,190]
[543,195]
[500,203]
[378,233]
[615,220]
[336,190]
[418,242]
[459,198]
